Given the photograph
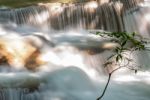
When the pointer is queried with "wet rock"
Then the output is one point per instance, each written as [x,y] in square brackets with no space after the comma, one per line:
[19,53]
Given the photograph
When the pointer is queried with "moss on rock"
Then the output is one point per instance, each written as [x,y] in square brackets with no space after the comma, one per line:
[23,3]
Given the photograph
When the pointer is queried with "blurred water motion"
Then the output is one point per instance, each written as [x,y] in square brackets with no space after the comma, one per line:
[58,58]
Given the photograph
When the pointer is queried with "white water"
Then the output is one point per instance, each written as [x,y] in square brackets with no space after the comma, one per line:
[62,82]
[72,74]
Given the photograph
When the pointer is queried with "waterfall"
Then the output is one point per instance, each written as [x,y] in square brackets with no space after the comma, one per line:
[73,55]
[93,15]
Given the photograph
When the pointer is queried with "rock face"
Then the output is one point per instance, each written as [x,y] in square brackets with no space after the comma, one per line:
[18,52]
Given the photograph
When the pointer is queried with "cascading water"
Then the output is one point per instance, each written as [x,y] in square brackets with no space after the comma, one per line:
[58,16]
[75,56]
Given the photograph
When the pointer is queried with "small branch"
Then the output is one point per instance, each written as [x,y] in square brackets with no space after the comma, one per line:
[108,81]
[128,43]
[115,70]
[99,98]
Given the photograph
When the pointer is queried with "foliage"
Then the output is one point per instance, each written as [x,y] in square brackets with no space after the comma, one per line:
[24,3]
[127,44]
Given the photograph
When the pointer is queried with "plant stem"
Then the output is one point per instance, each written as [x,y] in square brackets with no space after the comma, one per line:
[99,98]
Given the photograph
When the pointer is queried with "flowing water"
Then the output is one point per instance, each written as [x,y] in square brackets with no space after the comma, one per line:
[75,55]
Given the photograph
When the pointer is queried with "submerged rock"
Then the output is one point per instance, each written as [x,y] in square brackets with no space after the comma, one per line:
[68,79]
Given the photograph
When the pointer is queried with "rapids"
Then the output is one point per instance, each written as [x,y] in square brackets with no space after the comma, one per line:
[75,56]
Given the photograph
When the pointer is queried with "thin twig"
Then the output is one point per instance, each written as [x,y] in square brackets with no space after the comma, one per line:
[137,45]
[99,98]
[109,77]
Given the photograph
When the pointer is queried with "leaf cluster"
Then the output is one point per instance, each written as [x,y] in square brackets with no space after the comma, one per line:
[126,42]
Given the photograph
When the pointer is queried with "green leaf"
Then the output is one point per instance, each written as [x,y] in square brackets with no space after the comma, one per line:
[142,47]
[123,43]
[97,33]
[119,56]
[116,50]
[108,63]
[135,71]
[133,34]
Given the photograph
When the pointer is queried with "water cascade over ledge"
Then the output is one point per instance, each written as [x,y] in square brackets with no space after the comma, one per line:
[54,55]
[92,15]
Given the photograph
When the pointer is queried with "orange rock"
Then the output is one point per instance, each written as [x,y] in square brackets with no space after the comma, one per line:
[20,53]
[16,51]
[34,61]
